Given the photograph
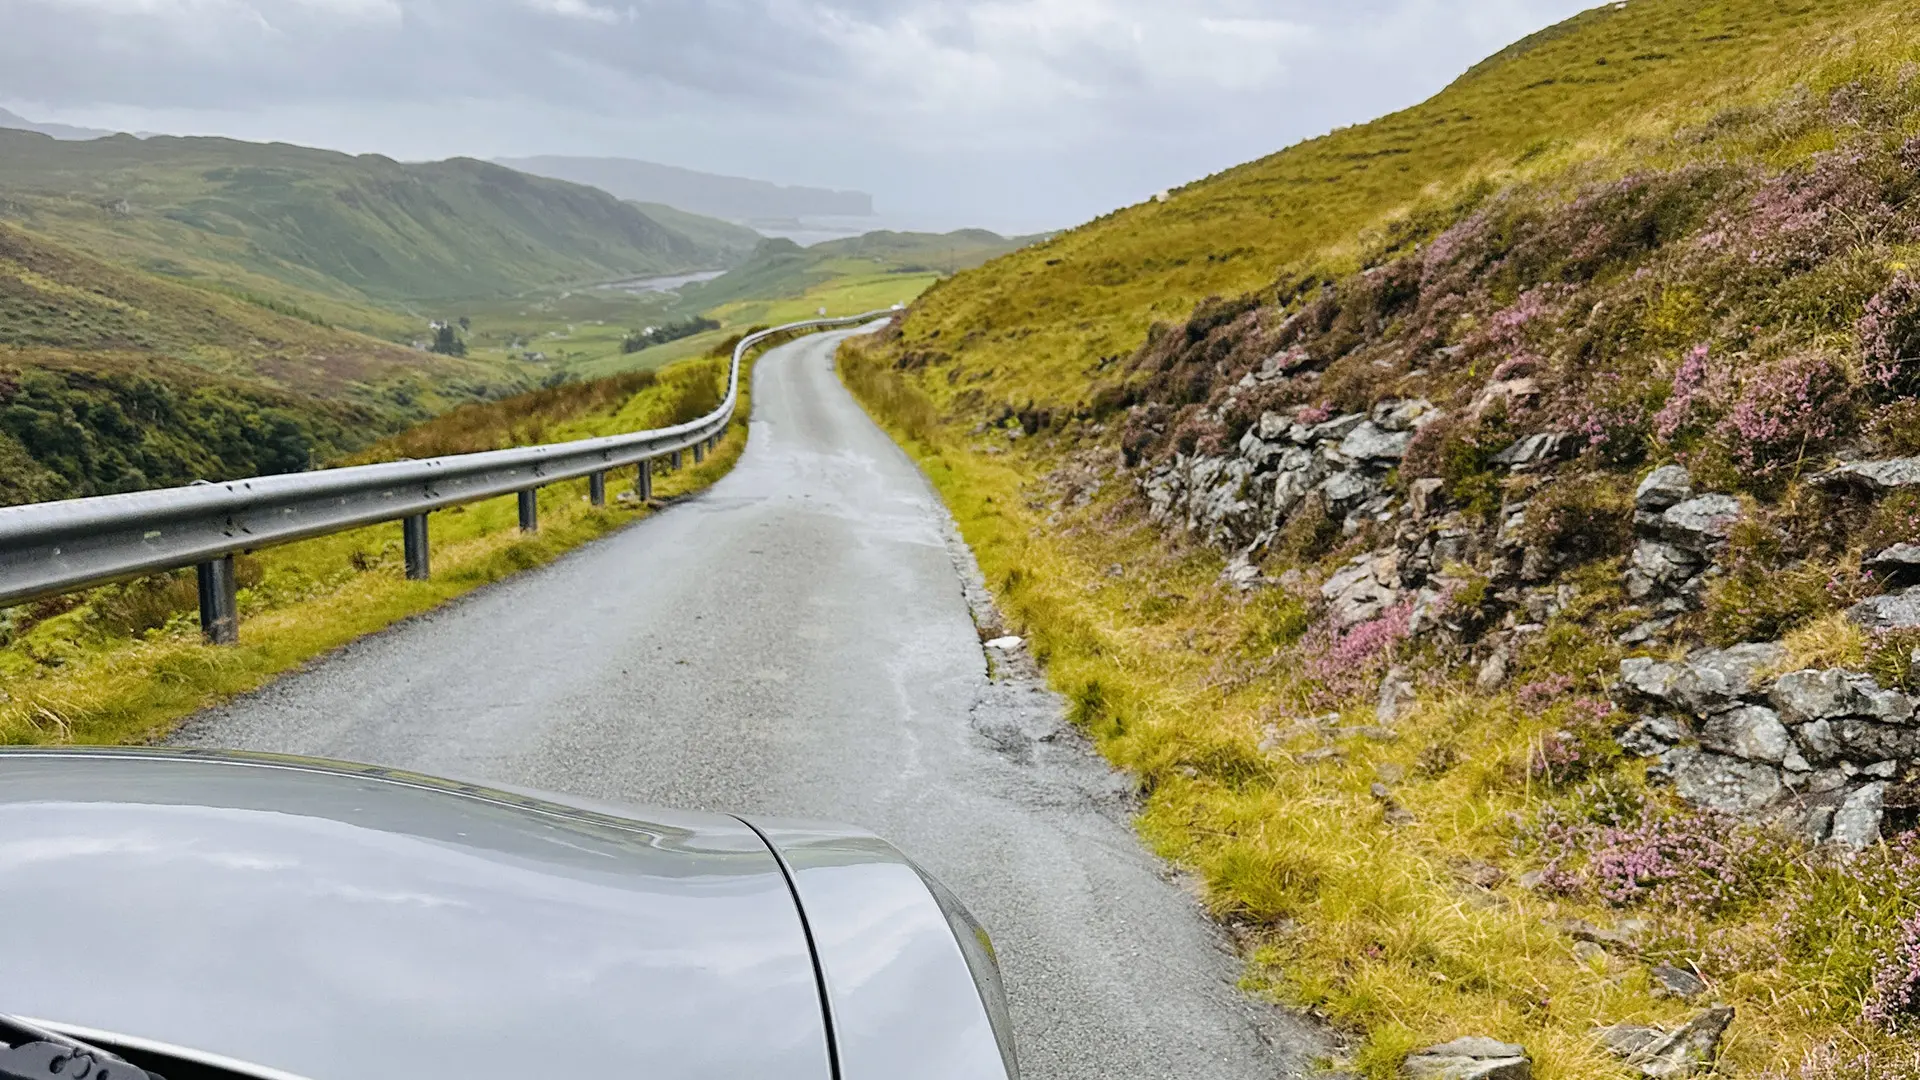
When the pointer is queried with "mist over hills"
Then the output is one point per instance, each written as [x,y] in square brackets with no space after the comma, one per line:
[16,122]
[731,197]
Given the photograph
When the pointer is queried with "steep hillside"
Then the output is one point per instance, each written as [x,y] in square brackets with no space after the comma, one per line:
[1489,537]
[1048,314]
[112,379]
[353,228]
[731,244]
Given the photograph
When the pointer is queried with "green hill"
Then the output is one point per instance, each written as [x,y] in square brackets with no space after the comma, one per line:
[112,379]
[360,230]
[1346,495]
[780,268]
[729,244]
[1611,76]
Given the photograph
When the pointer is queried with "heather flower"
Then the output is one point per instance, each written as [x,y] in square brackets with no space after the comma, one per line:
[1315,414]
[1347,662]
[1693,861]
[1536,696]
[1692,382]
[1895,1000]
[1783,410]
[1889,334]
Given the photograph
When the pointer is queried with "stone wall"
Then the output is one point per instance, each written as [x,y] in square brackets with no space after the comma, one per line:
[1828,753]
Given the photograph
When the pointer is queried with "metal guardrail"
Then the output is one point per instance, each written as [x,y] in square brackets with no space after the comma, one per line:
[47,549]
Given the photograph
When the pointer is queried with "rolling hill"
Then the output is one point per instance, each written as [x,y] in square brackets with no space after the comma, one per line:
[361,230]
[112,379]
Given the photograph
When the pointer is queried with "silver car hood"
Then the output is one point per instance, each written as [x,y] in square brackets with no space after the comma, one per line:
[349,924]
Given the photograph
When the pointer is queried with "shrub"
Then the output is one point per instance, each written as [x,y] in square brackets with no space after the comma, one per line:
[1347,662]
[1889,336]
[1584,518]
[1829,1063]
[1784,410]
[1693,861]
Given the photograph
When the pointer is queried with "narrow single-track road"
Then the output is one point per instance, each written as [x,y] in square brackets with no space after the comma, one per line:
[796,642]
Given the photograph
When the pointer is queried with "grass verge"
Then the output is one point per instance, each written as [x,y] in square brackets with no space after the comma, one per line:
[125,663]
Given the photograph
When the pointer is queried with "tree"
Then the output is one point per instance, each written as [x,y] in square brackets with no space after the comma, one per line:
[446,341]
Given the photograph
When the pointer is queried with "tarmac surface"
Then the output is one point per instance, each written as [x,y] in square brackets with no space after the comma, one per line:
[800,640]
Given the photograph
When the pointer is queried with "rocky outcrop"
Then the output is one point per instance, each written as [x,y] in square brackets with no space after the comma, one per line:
[1471,1058]
[1663,1055]
[1678,535]
[1818,749]
[1288,459]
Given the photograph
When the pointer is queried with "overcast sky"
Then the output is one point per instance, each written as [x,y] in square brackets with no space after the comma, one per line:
[1012,114]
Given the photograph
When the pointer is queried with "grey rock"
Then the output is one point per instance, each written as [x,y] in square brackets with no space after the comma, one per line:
[1493,672]
[1471,1058]
[1873,477]
[1648,680]
[1241,574]
[1347,488]
[1819,743]
[1363,588]
[1670,981]
[1719,782]
[1817,824]
[1397,694]
[1536,450]
[1828,780]
[1410,415]
[1894,611]
[1856,824]
[1753,732]
[1700,523]
[1370,442]
[1641,633]
[1716,678]
[1337,428]
[1689,1051]
[1864,740]
[1658,567]
[1651,736]
[1664,487]
[1882,770]
[1820,694]
[1898,559]
[1626,1040]
[1426,496]
[1274,426]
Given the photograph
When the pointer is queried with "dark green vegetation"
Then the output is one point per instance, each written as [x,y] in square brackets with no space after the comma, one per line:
[114,380]
[1668,231]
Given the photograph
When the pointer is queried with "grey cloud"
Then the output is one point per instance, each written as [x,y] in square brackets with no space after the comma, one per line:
[1017,113]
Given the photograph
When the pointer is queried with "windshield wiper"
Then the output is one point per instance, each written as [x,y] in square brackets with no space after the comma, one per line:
[31,1052]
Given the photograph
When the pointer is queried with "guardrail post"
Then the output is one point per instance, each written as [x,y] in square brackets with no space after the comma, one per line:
[676,461]
[413,530]
[530,511]
[597,488]
[643,483]
[219,602]
[700,451]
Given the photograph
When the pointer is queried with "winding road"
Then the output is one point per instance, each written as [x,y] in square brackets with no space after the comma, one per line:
[798,641]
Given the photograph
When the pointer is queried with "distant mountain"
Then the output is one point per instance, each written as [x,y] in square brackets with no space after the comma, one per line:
[59,131]
[730,197]
[358,229]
